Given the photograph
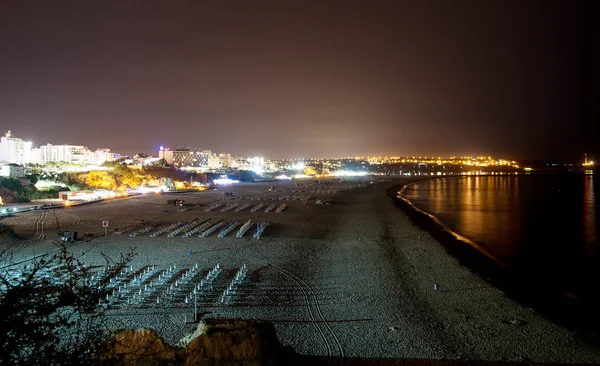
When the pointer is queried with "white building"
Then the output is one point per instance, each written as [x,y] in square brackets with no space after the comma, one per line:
[190,159]
[256,164]
[75,154]
[100,156]
[167,154]
[14,149]
[213,161]
[35,156]
[237,162]
[12,170]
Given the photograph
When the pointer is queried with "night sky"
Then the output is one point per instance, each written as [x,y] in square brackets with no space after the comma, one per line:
[303,78]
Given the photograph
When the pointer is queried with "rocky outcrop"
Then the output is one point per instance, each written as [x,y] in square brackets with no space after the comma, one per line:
[218,342]
[143,347]
[239,341]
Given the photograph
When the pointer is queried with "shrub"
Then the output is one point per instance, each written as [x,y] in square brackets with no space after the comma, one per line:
[21,199]
[50,311]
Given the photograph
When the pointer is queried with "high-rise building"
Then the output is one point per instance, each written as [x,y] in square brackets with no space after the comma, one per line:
[34,156]
[75,154]
[184,158]
[14,149]
[188,158]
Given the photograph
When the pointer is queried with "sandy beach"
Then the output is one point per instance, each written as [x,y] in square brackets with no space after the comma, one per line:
[351,280]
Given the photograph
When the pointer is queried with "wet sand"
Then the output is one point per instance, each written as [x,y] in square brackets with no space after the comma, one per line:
[354,279]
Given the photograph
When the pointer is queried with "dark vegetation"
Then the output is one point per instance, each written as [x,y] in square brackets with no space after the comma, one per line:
[14,190]
[50,309]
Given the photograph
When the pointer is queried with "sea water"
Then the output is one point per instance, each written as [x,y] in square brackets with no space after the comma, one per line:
[541,227]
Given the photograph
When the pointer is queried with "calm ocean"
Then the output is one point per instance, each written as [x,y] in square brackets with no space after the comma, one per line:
[541,227]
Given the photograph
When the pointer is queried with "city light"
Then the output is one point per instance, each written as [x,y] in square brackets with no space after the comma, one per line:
[257,164]
[146,189]
[225,181]
[257,170]
[347,173]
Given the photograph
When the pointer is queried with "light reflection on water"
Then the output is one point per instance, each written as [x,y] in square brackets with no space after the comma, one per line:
[544,226]
[589,216]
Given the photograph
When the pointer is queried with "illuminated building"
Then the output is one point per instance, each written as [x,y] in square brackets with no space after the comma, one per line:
[213,160]
[12,170]
[14,149]
[35,156]
[100,156]
[225,160]
[75,154]
[256,164]
[188,158]
[230,161]
[166,153]
[238,162]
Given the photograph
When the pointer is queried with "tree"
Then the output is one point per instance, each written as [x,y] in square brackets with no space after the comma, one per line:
[309,170]
[162,163]
[125,177]
[11,184]
[101,179]
[159,172]
[50,309]
[72,180]
[244,175]
[33,178]
[115,162]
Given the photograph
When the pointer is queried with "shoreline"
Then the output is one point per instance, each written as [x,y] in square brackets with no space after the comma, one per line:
[551,303]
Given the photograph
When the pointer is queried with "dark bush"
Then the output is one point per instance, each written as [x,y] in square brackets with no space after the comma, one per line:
[50,311]
[21,199]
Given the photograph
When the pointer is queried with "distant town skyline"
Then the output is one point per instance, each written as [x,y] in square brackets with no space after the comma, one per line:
[291,79]
[216,150]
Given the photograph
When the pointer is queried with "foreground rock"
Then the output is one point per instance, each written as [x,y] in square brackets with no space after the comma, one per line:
[215,342]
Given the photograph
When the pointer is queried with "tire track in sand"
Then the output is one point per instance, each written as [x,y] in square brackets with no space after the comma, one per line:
[309,294]
[39,224]
[39,232]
